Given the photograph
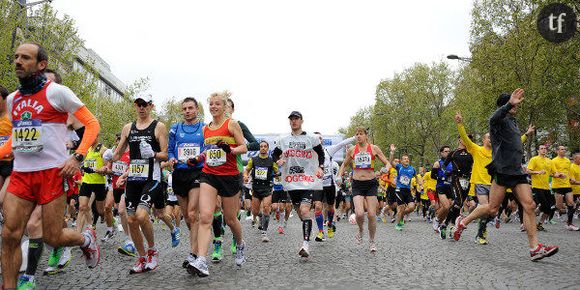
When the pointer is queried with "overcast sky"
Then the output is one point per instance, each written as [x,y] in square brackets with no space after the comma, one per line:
[322,58]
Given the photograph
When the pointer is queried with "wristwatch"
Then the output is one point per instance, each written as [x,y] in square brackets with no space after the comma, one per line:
[79,157]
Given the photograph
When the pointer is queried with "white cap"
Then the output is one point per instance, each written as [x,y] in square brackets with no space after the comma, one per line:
[147,98]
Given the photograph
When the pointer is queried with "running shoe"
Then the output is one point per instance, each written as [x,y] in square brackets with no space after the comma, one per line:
[152,260]
[253,223]
[552,222]
[485,234]
[319,237]
[199,267]
[540,227]
[26,282]
[459,227]
[92,252]
[216,255]
[189,260]
[51,271]
[175,237]
[139,266]
[281,230]
[443,231]
[54,257]
[128,249]
[373,247]
[497,222]
[265,238]
[331,231]
[383,218]
[398,227]
[450,231]
[572,227]
[65,258]
[522,228]
[108,236]
[543,251]
[233,247]
[436,225]
[481,241]
[240,258]
[304,251]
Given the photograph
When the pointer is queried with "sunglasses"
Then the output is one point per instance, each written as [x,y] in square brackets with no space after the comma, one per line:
[142,104]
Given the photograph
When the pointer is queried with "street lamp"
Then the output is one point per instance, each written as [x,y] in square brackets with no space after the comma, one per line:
[455,57]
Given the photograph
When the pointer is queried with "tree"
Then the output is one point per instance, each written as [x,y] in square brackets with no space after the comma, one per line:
[508,52]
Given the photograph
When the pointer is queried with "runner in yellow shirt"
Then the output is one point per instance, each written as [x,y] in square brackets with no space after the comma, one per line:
[562,187]
[575,178]
[540,168]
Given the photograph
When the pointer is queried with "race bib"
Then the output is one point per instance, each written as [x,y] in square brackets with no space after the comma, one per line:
[119,167]
[261,173]
[3,139]
[139,170]
[26,136]
[186,151]
[464,183]
[362,160]
[215,157]
[91,163]
[405,180]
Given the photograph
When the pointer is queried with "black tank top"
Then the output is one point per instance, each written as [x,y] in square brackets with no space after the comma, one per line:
[147,135]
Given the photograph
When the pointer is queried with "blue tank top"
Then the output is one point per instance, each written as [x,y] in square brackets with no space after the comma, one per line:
[404,176]
[185,141]
[444,174]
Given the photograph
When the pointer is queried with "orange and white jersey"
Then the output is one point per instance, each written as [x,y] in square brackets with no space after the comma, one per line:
[39,128]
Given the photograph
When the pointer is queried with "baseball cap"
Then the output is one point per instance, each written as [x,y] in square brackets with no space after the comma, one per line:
[147,98]
[295,114]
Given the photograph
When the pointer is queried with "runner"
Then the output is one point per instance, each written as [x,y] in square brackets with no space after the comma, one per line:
[539,168]
[94,180]
[480,178]
[185,143]
[462,164]
[364,185]
[147,141]
[444,190]
[405,200]
[562,187]
[433,200]
[507,172]
[281,203]
[38,111]
[262,169]
[575,178]
[119,171]
[297,155]
[328,192]
[224,140]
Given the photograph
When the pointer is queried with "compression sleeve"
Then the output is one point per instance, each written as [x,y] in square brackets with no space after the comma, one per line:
[276,154]
[318,149]
[6,148]
[92,129]
[253,144]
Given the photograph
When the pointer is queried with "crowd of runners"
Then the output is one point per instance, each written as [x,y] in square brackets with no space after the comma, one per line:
[58,180]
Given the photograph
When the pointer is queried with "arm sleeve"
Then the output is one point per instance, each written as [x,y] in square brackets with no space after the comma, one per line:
[335,148]
[171,144]
[92,128]
[276,154]
[253,144]
[469,145]
[318,149]
[500,113]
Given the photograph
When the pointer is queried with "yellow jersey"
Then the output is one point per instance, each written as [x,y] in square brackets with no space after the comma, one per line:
[575,174]
[561,165]
[481,158]
[429,183]
[94,160]
[538,163]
